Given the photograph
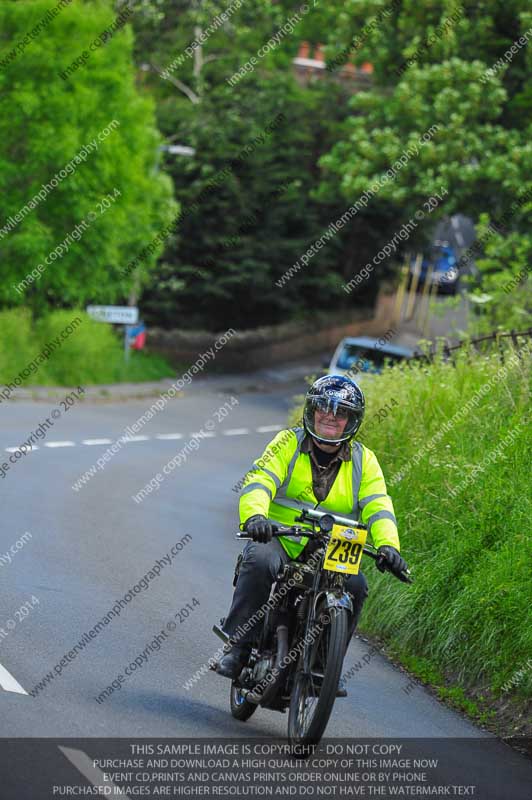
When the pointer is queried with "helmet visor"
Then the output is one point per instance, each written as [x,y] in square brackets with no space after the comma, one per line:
[331,419]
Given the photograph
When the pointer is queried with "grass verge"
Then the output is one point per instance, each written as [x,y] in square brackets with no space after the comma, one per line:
[454,444]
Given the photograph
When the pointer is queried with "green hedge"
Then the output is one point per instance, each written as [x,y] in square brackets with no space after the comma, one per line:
[468,615]
[79,351]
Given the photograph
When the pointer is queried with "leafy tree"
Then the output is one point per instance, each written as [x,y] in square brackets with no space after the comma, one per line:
[221,265]
[459,79]
[504,300]
[45,122]
[248,213]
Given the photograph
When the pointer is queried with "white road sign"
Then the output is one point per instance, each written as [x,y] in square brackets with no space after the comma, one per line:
[122,315]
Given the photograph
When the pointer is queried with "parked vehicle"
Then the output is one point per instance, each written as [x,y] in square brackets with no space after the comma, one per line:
[365,354]
[441,256]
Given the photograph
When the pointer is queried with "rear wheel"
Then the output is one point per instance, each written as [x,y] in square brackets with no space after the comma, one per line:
[240,708]
[314,691]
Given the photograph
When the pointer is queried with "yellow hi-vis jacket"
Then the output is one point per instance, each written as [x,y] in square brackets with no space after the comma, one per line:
[279,486]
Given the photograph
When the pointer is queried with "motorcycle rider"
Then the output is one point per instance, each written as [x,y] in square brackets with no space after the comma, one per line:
[317,465]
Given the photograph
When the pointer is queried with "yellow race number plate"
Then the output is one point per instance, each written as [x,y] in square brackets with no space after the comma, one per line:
[344,551]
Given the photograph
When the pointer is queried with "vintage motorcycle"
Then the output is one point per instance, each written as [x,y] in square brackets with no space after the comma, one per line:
[297,659]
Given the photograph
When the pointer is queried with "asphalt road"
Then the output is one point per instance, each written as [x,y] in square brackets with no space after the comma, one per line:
[87,548]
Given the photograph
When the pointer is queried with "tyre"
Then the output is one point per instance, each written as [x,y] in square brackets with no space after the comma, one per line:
[240,708]
[313,695]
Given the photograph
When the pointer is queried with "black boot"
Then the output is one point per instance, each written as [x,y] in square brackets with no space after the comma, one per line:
[230,666]
[341,691]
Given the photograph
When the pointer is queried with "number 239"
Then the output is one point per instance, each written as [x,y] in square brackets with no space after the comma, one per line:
[351,552]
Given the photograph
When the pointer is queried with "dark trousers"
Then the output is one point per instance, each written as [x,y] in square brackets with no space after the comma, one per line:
[259,568]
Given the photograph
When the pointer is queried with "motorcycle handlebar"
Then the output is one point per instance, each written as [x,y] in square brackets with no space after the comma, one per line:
[294,530]
[403,576]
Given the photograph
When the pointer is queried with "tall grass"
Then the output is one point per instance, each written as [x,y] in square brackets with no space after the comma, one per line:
[469,612]
[91,353]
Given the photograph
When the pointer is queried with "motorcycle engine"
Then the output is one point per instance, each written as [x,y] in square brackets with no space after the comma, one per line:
[263,666]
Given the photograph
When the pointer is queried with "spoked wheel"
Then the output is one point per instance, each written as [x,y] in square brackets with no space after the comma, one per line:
[240,708]
[314,691]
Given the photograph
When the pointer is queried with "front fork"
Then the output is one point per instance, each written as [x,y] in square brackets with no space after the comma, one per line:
[334,599]
[326,599]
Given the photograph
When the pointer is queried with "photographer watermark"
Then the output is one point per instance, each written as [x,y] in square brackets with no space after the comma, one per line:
[43,356]
[513,361]
[18,615]
[271,44]
[313,562]
[362,202]
[7,557]
[213,26]
[131,430]
[142,585]
[403,234]
[69,169]
[40,432]
[214,183]
[190,447]
[30,36]
[152,647]
[440,31]
[494,455]
[507,57]
[518,676]
[367,30]
[100,41]
[74,236]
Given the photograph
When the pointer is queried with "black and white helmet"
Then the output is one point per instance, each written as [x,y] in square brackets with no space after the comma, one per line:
[332,393]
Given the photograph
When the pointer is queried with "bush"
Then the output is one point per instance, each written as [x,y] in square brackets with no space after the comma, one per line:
[80,351]
[19,347]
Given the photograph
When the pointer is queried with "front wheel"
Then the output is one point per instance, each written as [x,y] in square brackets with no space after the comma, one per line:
[241,709]
[314,688]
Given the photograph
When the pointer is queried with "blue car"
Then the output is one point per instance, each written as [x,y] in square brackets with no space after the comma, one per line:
[445,275]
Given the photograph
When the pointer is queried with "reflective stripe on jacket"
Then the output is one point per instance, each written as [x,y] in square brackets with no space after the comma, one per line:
[279,486]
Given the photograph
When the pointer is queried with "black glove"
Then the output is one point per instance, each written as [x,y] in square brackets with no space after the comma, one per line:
[390,558]
[259,529]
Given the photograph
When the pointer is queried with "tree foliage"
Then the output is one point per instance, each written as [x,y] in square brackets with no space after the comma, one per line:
[223,263]
[465,78]
[251,201]
[45,122]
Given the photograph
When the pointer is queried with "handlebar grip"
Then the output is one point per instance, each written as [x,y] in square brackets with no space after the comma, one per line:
[405,577]
[276,532]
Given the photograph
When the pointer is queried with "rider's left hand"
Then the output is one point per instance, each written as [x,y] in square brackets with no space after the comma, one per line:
[391,559]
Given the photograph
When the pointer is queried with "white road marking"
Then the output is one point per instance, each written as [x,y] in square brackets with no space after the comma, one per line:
[460,238]
[16,449]
[8,683]
[85,765]
[269,428]
[161,436]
